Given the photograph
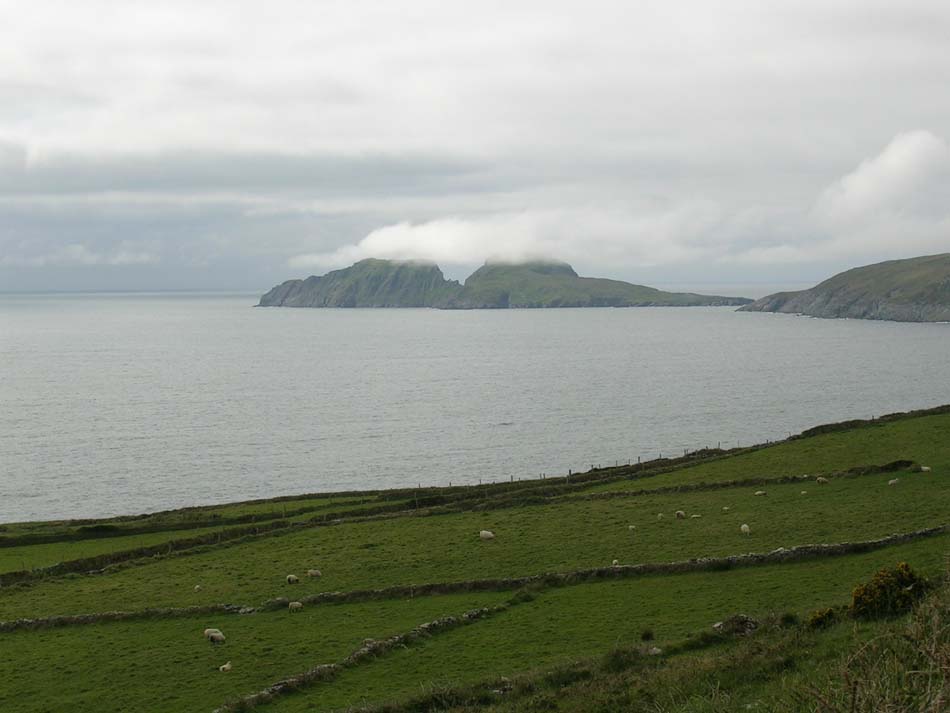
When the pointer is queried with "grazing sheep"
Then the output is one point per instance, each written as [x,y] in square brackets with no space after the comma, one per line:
[216,637]
[616,563]
[725,508]
[821,479]
[314,573]
[759,493]
[209,632]
[893,481]
[225,668]
[295,606]
[292,579]
[925,469]
[659,516]
[631,527]
[680,515]
[804,492]
[745,529]
[487,535]
[694,517]
[197,587]
[655,651]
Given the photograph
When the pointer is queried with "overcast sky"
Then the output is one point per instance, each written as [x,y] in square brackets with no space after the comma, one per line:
[173,145]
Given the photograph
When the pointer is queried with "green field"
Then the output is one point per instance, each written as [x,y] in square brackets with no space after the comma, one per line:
[161,662]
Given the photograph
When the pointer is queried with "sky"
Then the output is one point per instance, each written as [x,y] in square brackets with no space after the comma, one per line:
[233,145]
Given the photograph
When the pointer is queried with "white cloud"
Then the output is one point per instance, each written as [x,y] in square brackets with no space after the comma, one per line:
[587,235]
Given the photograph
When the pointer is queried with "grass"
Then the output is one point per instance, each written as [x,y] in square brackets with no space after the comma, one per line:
[163,664]
[921,439]
[530,540]
[168,665]
[566,624]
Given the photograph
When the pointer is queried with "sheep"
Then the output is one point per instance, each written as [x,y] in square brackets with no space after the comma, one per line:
[745,529]
[486,535]
[694,517]
[295,606]
[655,651]
[893,481]
[804,492]
[822,480]
[197,587]
[292,579]
[759,493]
[225,667]
[216,637]
[925,469]
[314,573]
[616,563]
[659,516]
[680,515]
[209,632]
[725,508]
[631,527]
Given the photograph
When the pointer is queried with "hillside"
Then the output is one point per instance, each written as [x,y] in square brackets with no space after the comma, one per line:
[368,283]
[556,284]
[413,611]
[912,290]
[385,283]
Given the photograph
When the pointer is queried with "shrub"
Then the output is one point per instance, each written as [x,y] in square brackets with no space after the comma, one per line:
[822,618]
[619,659]
[890,592]
[788,620]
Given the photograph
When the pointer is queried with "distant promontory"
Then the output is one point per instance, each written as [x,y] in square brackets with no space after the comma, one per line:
[536,284]
[912,290]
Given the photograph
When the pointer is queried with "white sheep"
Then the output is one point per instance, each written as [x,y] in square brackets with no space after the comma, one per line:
[655,651]
[822,480]
[197,587]
[314,573]
[616,563]
[486,535]
[725,508]
[745,529]
[893,481]
[695,517]
[295,606]
[631,527]
[925,469]
[224,668]
[680,515]
[216,637]
[759,493]
[292,579]
[659,516]
[209,632]
[804,492]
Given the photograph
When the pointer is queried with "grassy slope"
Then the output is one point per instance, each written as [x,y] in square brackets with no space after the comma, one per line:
[925,440]
[563,625]
[570,622]
[530,540]
[167,665]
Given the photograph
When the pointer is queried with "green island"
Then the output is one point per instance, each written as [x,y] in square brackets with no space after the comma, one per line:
[597,591]
[536,284]
[911,290]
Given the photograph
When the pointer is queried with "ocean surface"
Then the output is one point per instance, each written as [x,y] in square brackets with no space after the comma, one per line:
[118,404]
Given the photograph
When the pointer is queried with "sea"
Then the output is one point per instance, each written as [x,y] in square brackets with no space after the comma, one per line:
[129,403]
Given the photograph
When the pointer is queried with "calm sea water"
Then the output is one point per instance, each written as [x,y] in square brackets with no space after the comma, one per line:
[131,403]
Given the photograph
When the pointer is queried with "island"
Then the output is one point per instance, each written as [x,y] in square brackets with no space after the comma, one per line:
[911,290]
[495,285]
